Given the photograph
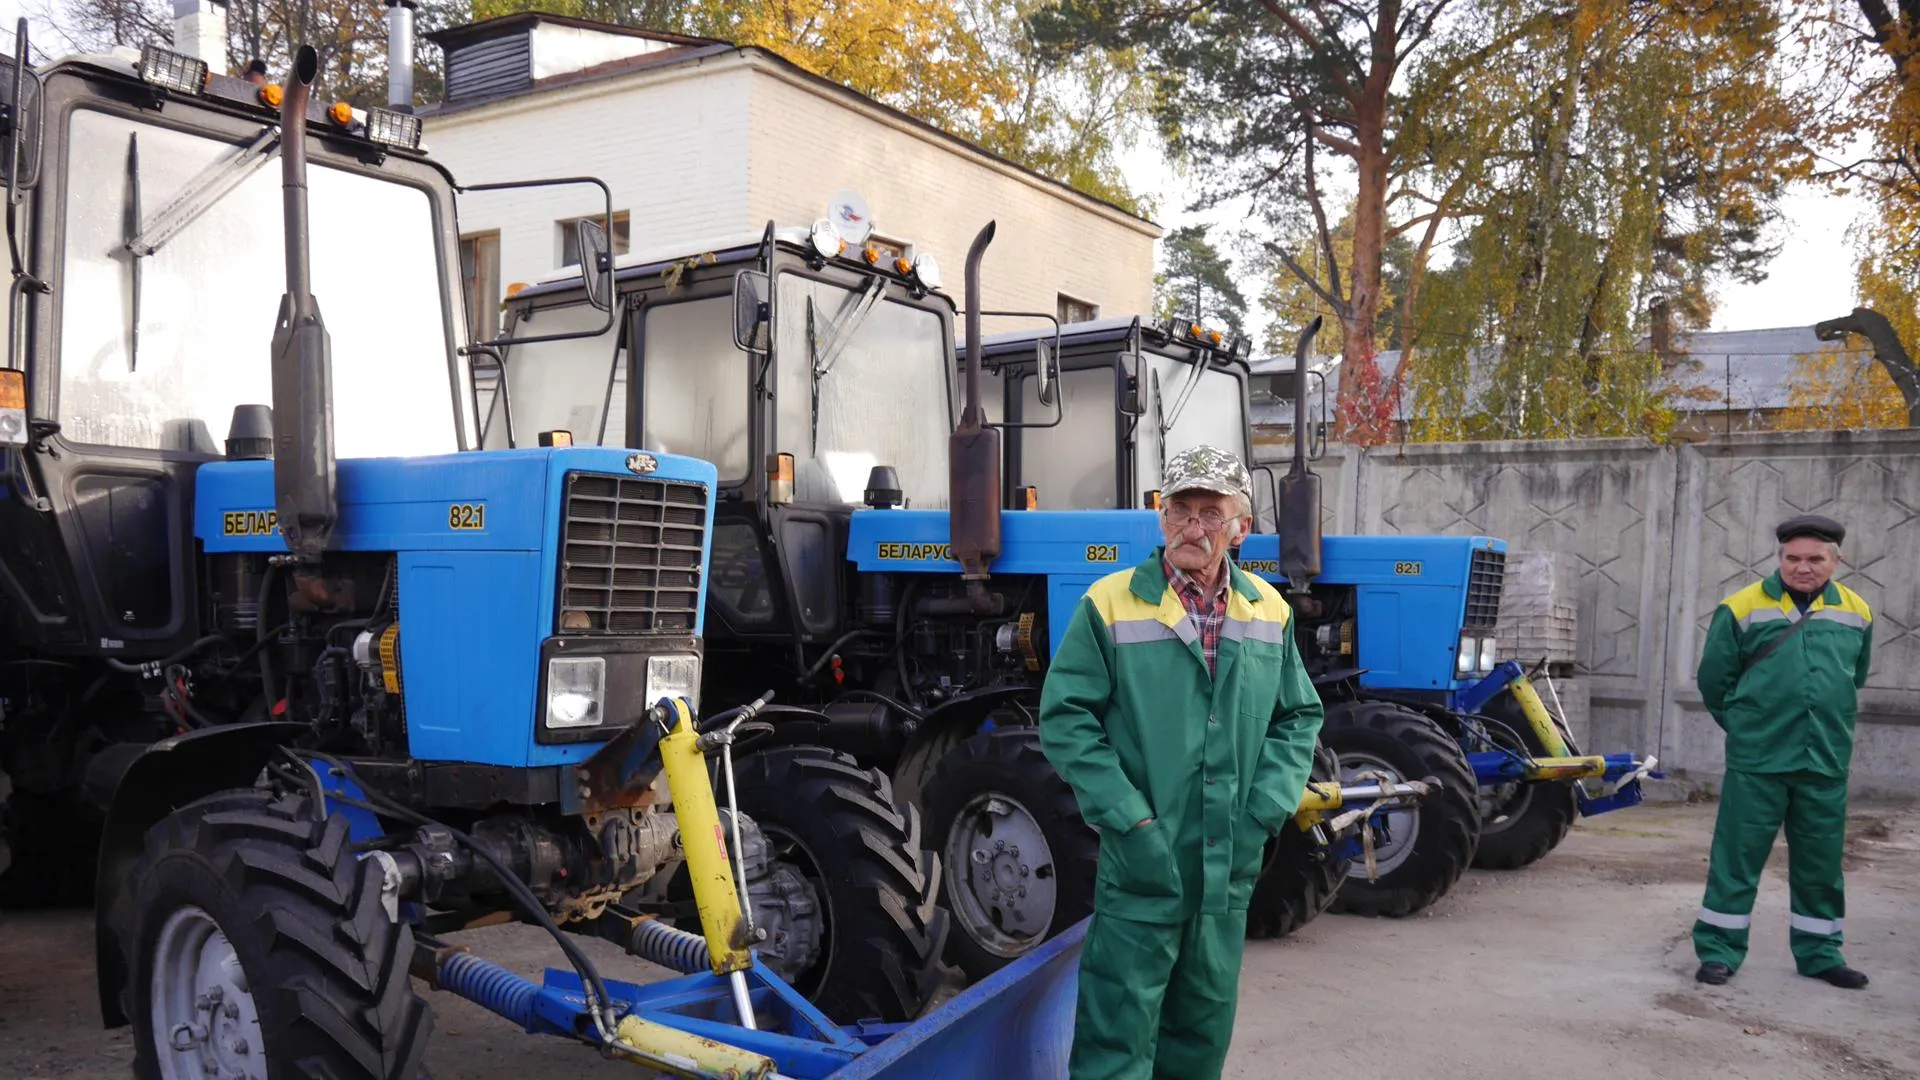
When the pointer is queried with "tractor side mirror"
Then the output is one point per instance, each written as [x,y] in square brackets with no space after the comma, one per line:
[752,319]
[20,116]
[1046,370]
[596,262]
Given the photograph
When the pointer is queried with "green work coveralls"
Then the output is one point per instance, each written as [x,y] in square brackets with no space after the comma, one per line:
[1132,720]
[1789,724]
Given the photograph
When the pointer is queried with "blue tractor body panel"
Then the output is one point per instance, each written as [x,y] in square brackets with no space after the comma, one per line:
[1411,592]
[476,537]
[1072,549]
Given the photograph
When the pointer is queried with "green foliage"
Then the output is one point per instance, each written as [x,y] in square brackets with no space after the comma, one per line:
[1198,282]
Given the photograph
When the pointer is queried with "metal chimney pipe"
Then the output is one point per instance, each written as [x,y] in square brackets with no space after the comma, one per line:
[400,54]
[200,31]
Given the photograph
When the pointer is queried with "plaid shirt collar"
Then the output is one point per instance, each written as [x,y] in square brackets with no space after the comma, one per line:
[1208,613]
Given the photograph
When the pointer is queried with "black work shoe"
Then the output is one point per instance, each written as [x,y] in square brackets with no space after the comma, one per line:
[1713,973]
[1843,977]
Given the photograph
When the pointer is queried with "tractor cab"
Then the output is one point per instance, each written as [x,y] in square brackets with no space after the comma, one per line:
[812,366]
[1095,409]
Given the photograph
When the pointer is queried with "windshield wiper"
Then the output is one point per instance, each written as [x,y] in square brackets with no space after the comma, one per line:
[130,230]
[841,331]
[1180,403]
[202,192]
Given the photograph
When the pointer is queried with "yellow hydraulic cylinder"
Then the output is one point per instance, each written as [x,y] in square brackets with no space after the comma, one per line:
[1539,718]
[705,843]
[686,1054]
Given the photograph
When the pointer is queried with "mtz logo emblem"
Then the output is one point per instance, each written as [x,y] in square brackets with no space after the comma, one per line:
[250,523]
[1407,569]
[916,552]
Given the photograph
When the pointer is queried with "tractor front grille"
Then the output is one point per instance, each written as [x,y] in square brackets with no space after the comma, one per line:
[630,555]
[1485,576]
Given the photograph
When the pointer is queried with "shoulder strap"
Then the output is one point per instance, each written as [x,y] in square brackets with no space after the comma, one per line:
[1805,618]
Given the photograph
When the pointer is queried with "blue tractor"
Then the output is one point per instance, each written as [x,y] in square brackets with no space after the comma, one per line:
[865,564]
[1398,630]
[354,683]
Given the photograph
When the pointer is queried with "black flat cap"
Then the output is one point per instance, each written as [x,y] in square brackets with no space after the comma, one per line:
[1814,525]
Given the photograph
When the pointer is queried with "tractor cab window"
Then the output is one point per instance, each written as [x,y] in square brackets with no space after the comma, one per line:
[562,385]
[1071,463]
[154,353]
[694,384]
[1211,411]
[864,380]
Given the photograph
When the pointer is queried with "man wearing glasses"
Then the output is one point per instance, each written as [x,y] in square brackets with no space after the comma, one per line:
[1179,711]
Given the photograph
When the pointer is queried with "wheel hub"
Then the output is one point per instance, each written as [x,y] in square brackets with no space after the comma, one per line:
[1005,898]
[204,1021]
[1403,823]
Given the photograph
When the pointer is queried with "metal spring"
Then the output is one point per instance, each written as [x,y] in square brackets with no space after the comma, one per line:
[670,947]
[490,986]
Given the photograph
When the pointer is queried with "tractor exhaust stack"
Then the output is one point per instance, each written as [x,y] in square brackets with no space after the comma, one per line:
[303,462]
[1298,513]
[973,455]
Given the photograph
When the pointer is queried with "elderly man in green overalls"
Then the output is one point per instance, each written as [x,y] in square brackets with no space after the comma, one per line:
[1179,711]
[1784,660]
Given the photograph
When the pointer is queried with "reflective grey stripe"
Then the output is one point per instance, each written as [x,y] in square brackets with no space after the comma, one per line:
[1806,924]
[1187,631]
[1725,921]
[1766,614]
[1141,631]
[1844,618]
[1272,633]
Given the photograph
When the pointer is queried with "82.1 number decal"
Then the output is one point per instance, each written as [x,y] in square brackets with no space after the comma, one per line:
[1407,569]
[467,516]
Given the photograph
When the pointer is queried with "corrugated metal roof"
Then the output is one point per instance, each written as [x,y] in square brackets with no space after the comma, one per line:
[1720,370]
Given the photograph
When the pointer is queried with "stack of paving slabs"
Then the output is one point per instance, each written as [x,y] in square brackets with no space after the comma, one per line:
[1540,610]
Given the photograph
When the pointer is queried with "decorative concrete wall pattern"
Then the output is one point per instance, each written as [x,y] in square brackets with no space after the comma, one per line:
[1661,534]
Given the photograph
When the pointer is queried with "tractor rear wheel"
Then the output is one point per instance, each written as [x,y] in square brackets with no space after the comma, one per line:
[838,823]
[1430,845]
[1521,822]
[1019,860]
[1299,880]
[261,947]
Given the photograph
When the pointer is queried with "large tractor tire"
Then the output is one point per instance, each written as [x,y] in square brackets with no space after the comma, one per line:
[1521,822]
[260,946]
[1429,845]
[838,823]
[1018,860]
[1299,881]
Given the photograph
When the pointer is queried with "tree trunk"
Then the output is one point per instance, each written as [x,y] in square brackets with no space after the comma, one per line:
[1366,407]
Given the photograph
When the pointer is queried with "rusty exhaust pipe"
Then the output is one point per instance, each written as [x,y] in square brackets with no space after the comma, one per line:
[973,455]
[303,460]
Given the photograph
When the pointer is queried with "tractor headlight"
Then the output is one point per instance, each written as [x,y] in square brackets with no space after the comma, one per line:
[674,675]
[1487,654]
[1469,652]
[175,71]
[576,691]
[390,128]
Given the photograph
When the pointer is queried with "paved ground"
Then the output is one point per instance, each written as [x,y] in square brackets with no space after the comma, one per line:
[1578,967]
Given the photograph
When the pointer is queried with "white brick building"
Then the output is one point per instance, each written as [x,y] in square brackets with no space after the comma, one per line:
[702,141]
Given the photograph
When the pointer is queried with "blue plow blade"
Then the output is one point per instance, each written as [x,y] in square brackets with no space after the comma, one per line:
[1016,1024]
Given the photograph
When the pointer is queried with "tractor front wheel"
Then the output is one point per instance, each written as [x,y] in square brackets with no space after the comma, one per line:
[1428,846]
[879,953]
[1521,822]
[1299,880]
[260,947]
[1019,860]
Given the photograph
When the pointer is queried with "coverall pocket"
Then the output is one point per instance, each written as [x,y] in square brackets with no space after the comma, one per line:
[1139,861]
[1249,848]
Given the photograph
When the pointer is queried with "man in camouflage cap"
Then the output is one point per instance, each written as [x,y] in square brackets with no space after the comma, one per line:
[1179,711]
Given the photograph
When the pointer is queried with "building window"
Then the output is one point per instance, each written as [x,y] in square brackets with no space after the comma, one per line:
[1071,310]
[480,281]
[570,241]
